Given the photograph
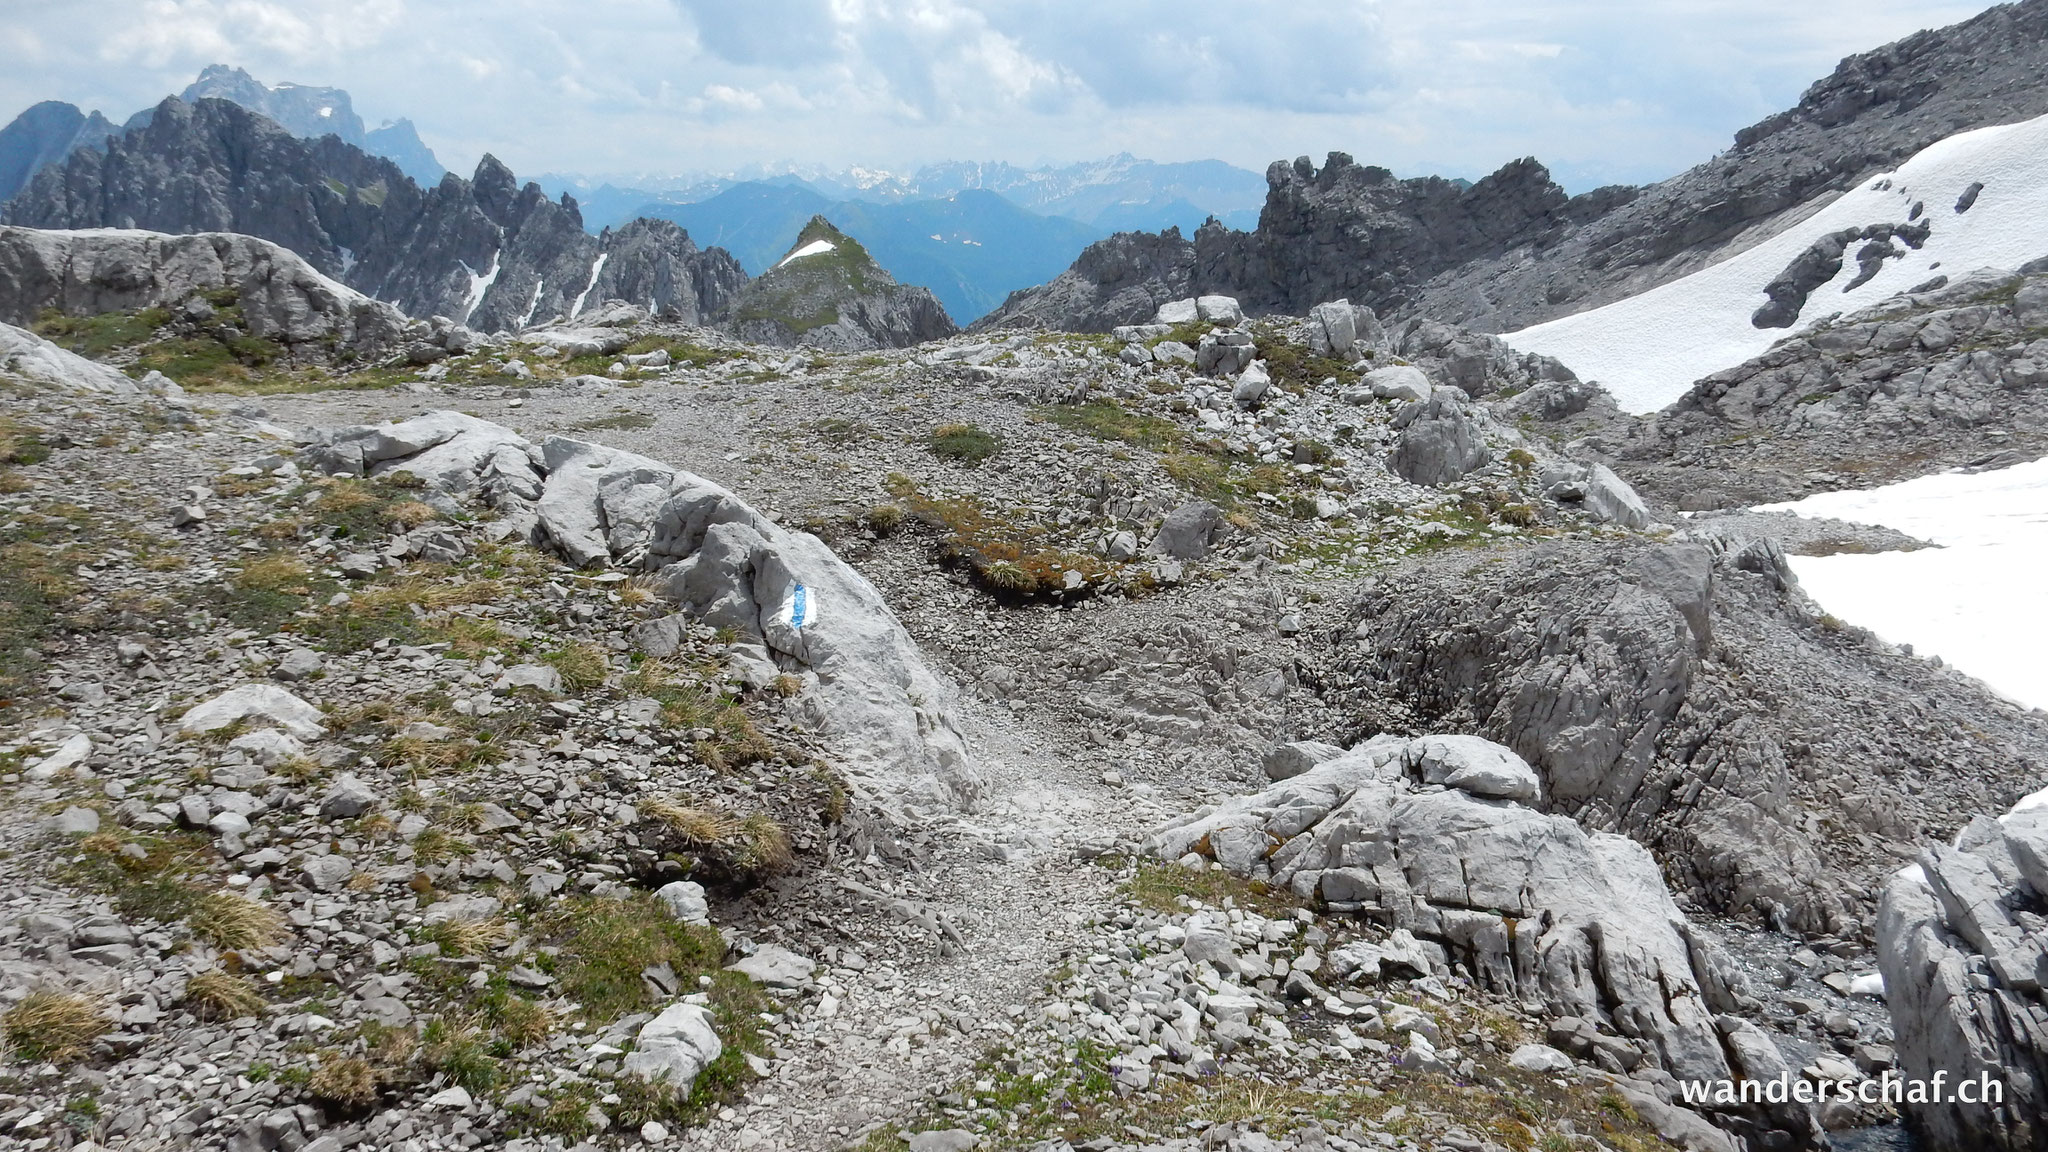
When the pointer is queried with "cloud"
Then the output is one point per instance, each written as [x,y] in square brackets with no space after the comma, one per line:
[1599,91]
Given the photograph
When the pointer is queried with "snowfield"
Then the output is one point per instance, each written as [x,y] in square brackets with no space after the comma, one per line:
[1976,601]
[1648,349]
[812,249]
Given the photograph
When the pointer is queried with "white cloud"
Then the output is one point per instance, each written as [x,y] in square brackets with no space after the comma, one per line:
[1599,92]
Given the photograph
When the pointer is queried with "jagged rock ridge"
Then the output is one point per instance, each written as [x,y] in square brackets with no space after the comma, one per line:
[485,252]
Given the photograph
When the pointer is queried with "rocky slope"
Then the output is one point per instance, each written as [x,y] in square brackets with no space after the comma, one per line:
[827,292]
[1512,250]
[547,666]
[485,252]
[1929,381]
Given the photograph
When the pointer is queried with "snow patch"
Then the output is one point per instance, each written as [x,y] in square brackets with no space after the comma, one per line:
[596,266]
[1976,600]
[1648,349]
[478,285]
[812,249]
[532,305]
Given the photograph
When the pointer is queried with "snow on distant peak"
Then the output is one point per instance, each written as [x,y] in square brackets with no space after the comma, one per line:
[812,249]
[328,111]
[1976,199]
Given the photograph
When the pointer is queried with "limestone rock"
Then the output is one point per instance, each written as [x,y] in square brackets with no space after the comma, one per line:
[775,967]
[1441,440]
[674,1047]
[256,702]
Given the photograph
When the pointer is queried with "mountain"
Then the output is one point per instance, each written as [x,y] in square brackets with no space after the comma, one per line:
[1513,250]
[485,252]
[1344,230]
[1975,200]
[312,112]
[49,132]
[971,249]
[45,134]
[828,292]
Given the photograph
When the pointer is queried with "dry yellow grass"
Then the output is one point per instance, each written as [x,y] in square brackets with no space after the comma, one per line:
[56,1027]
[345,1080]
[691,823]
[226,920]
[463,937]
[411,514]
[217,995]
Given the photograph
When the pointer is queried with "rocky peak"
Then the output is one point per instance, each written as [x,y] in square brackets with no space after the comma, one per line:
[828,292]
[45,134]
[496,190]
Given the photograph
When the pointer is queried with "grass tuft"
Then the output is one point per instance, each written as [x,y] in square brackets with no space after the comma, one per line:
[226,920]
[219,996]
[54,1027]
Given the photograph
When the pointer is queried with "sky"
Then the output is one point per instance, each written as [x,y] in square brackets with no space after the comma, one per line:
[1602,91]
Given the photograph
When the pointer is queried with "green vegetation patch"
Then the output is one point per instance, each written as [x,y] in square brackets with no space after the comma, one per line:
[963,443]
[1108,420]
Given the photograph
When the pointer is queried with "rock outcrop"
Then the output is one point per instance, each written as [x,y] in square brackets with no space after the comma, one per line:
[1963,947]
[486,252]
[1121,280]
[1688,695]
[27,357]
[828,293]
[719,561]
[1429,836]
[1954,376]
[279,297]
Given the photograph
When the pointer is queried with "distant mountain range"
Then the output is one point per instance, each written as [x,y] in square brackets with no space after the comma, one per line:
[971,249]
[1117,193]
[971,232]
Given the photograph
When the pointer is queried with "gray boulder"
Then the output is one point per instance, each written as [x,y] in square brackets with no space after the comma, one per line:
[684,900]
[719,561]
[674,1047]
[1440,440]
[1473,765]
[347,798]
[256,702]
[1188,532]
[775,967]
[1286,761]
[1398,382]
[282,298]
[28,357]
[1964,966]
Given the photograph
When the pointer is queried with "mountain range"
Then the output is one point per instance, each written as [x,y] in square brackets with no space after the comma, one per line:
[971,248]
[485,252]
[1514,250]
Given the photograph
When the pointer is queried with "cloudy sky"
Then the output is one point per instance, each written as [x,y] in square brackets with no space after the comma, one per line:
[1600,90]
